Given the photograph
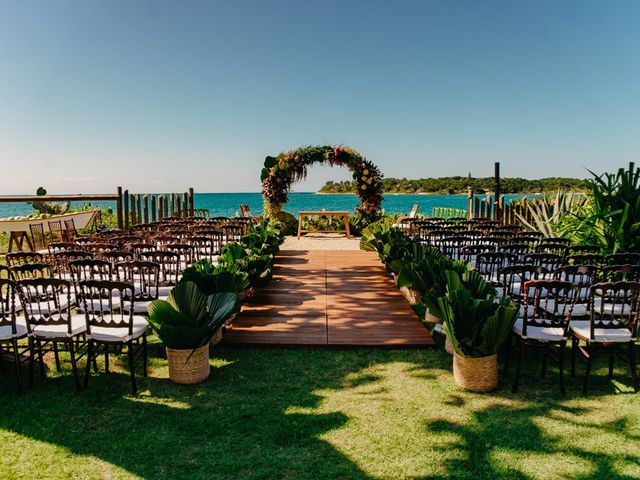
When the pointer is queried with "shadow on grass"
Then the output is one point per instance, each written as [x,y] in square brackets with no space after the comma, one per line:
[241,424]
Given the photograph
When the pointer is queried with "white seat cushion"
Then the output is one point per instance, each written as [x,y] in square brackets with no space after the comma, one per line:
[21,330]
[542,334]
[139,307]
[579,309]
[78,326]
[582,329]
[119,334]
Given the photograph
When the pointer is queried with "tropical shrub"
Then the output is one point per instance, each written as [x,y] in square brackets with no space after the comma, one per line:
[551,215]
[476,327]
[212,279]
[189,318]
[259,267]
[613,221]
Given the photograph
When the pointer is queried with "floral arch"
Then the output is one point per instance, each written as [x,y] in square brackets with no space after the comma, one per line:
[280,172]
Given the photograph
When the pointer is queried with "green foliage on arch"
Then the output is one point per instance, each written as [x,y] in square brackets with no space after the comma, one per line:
[280,172]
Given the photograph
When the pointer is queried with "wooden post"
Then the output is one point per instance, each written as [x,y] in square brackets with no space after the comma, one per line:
[469,203]
[178,205]
[160,206]
[139,200]
[191,202]
[497,210]
[146,208]
[134,210]
[165,211]
[500,208]
[126,209]
[185,203]
[153,208]
[119,207]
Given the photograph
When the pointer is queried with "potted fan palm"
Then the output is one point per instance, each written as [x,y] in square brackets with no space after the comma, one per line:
[477,328]
[185,323]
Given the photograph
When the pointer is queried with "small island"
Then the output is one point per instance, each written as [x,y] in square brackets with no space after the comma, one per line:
[459,184]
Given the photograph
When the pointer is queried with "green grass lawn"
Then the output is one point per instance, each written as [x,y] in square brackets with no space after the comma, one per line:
[318,413]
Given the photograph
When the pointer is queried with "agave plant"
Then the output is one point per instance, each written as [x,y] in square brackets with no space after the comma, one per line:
[476,327]
[189,318]
[548,214]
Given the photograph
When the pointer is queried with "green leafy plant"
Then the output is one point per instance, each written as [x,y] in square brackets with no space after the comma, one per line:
[614,218]
[259,267]
[211,279]
[189,318]
[476,327]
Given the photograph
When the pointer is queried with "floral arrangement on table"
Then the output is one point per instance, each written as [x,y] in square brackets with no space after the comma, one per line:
[280,172]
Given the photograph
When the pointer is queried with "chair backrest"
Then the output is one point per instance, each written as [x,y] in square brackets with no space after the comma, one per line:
[62,259]
[169,265]
[555,240]
[621,273]
[31,270]
[145,276]
[108,303]
[90,269]
[70,226]
[37,235]
[582,276]
[548,303]
[585,259]
[615,305]
[489,264]
[578,249]
[513,278]
[115,256]
[57,247]
[55,229]
[98,247]
[202,247]
[46,301]
[623,259]
[517,249]
[555,248]
[138,247]
[185,251]
[21,258]
[8,304]
[550,261]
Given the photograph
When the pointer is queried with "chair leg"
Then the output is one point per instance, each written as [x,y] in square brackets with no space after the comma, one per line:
[40,358]
[3,366]
[545,354]
[106,358]
[16,359]
[563,345]
[144,355]
[587,374]
[516,380]
[575,344]
[56,356]
[90,359]
[74,365]
[632,363]
[32,362]
[132,367]
[611,359]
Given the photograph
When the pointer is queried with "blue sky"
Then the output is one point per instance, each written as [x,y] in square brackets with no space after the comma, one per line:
[161,95]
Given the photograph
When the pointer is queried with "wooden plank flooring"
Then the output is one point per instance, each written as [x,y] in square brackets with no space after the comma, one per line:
[321,297]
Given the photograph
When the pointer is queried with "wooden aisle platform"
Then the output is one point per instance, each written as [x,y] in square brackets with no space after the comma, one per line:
[318,297]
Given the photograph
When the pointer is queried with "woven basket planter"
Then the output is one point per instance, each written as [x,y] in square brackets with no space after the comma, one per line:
[186,368]
[448,346]
[216,339]
[476,374]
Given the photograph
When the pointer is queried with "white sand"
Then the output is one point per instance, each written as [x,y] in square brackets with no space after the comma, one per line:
[321,241]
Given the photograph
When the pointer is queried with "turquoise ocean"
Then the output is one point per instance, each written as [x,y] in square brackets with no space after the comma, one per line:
[227,204]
